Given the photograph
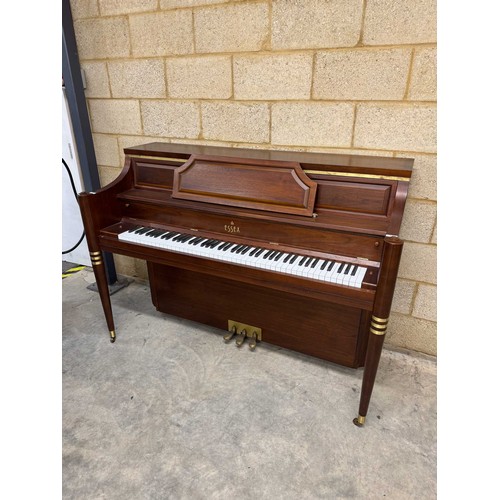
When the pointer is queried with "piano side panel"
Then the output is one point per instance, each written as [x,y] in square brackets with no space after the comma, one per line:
[324,330]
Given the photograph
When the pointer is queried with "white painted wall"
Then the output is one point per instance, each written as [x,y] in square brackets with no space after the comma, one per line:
[72,226]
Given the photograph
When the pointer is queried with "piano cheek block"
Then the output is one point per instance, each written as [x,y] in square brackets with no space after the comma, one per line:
[294,249]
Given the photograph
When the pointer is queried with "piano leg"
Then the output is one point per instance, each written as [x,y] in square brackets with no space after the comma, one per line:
[393,247]
[102,286]
[373,352]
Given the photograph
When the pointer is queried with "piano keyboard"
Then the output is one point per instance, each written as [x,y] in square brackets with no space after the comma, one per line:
[282,262]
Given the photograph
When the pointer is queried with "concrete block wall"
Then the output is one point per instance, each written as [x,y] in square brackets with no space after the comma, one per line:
[355,76]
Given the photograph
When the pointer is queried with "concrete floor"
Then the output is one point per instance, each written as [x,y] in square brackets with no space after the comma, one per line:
[172,412]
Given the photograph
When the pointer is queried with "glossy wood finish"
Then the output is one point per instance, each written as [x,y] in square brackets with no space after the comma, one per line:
[338,207]
[358,164]
[271,186]
[326,330]
[393,248]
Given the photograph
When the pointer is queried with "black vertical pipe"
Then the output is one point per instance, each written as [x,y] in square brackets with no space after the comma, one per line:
[77,104]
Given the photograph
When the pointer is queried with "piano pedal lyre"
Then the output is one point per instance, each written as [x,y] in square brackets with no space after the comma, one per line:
[254,336]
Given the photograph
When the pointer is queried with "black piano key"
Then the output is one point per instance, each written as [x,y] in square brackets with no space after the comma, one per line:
[339,270]
[242,247]
[171,235]
[354,269]
[245,250]
[142,230]
[228,246]
[253,252]
[214,243]
[235,248]
[223,244]
[287,258]
[271,255]
[278,255]
[308,261]
[196,241]
[330,267]
[302,260]
[293,259]
[315,261]
[267,254]
[347,269]
[259,252]
[324,265]
[206,242]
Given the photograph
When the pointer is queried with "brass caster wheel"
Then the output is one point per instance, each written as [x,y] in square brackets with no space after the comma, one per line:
[112,336]
[359,421]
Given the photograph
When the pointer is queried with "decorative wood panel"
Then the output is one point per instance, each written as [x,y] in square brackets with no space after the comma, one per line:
[263,185]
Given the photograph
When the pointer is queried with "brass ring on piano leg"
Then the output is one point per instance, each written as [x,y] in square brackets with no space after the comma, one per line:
[112,336]
[380,320]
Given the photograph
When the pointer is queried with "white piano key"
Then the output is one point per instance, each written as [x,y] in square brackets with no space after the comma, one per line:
[259,262]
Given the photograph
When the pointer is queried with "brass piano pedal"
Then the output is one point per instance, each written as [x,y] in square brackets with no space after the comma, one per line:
[228,337]
[253,340]
[241,338]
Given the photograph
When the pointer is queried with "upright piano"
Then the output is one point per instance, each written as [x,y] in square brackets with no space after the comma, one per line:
[300,250]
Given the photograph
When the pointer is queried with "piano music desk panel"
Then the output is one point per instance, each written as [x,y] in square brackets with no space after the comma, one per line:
[299,250]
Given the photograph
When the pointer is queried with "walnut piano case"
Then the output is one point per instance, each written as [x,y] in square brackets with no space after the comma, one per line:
[299,250]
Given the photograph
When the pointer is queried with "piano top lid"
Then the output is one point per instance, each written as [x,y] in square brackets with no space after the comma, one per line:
[327,162]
